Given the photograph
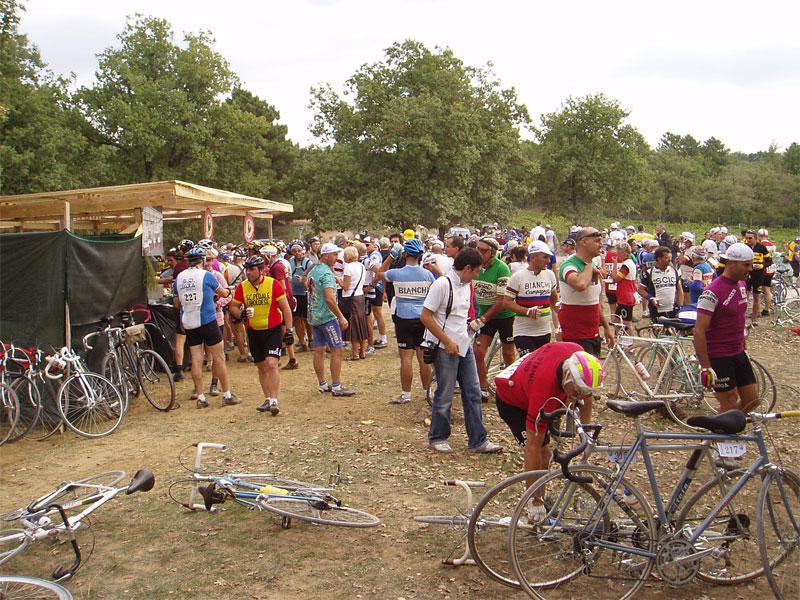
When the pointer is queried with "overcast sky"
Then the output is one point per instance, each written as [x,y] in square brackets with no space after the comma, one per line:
[725,69]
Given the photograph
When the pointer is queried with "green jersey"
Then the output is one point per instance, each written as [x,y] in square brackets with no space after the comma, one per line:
[490,284]
[319,278]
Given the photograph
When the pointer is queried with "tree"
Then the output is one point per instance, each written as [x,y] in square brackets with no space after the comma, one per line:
[677,172]
[424,139]
[591,158]
[40,147]
[791,159]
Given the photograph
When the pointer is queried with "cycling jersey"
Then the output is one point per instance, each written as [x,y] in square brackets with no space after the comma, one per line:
[627,287]
[726,301]
[702,276]
[490,284]
[662,285]
[297,268]
[411,284]
[580,311]
[609,267]
[263,298]
[772,268]
[531,290]
[194,288]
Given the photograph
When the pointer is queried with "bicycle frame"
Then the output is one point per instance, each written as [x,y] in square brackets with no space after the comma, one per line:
[670,362]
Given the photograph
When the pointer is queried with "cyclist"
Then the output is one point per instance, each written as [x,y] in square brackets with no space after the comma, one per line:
[610,285]
[262,301]
[624,276]
[550,377]
[532,294]
[702,273]
[660,286]
[299,265]
[719,334]
[769,271]
[489,286]
[793,256]
[761,261]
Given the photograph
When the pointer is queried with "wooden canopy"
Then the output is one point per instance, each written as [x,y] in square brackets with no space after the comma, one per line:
[120,206]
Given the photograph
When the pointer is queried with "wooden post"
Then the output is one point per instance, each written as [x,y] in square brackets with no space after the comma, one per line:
[269,227]
[67,326]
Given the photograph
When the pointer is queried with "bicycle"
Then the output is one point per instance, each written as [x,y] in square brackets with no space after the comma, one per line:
[9,412]
[88,403]
[83,497]
[287,498]
[16,371]
[788,314]
[13,587]
[590,530]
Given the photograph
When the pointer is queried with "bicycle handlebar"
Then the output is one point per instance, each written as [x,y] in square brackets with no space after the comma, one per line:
[60,573]
[564,459]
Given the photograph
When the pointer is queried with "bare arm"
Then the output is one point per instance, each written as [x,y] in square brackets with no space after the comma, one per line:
[700,344]
[283,305]
[580,281]
[330,300]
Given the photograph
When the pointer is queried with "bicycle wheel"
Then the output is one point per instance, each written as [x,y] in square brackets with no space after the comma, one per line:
[317,510]
[9,412]
[487,531]
[612,386]
[112,370]
[789,315]
[779,532]
[454,521]
[696,400]
[90,405]
[49,421]
[29,405]
[14,587]
[735,557]
[12,542]
[551,558]
[767,390]
[155,380]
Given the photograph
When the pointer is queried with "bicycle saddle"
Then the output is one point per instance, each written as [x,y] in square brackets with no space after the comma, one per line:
[674,323]
[211,495]
[729,422]
[634,409]
[143,481]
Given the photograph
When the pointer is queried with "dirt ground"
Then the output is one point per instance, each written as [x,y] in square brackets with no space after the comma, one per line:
[149,547]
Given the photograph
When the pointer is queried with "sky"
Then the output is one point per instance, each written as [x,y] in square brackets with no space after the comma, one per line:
[729,69]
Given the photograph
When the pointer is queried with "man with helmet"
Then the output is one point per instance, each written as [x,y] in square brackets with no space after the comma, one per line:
[719,334]
[411,284]
[278,271]
[235,275]
[194,292]
[490,287]
[262,301]
[761,261]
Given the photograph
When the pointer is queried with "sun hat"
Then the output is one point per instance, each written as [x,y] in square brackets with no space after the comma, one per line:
[408,234]
[539,247]
[739,252]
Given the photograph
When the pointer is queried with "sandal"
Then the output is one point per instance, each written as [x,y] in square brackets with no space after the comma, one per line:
[352,357]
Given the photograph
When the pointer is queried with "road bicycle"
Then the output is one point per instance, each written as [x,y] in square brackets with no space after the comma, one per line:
[788,314]
[14,587]
[287,498]
[591,529]
[9,412]
[57,516]
[89,404]
[17,371]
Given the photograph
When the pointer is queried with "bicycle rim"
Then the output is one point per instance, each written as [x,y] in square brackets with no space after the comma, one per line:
[156,380]
[699,401]
[551,559]
[49,421]
[316,511]
[112,370]
[767,391]
[30,405]
[611,377]
[730,533]
[779,533]
[9,412]
[18,588]
[90,405]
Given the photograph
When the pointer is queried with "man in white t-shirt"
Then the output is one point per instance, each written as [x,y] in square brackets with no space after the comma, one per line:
[444,262]
[550,238]
[537,231]
[616,235]
[532,294]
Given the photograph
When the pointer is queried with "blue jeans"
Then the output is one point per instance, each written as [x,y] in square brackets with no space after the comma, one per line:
[449,368]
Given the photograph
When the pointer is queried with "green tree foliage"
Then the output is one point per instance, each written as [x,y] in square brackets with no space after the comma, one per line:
[40,147]
[422,138]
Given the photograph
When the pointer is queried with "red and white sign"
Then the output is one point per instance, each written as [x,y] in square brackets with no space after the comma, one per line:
[249,229]
[208,225]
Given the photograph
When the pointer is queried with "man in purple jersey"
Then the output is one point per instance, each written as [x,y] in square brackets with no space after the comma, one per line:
[719,334]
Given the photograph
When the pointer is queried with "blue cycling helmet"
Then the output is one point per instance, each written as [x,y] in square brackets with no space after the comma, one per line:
[414,247]
[196,253]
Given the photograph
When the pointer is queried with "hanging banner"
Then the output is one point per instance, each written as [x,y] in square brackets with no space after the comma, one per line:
[249,230]
[208,225]
[152,231]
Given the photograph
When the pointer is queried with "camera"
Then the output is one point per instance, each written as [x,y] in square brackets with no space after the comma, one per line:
[429,350]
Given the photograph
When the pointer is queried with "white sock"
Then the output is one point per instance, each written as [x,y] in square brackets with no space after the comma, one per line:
[227,394]
[406,395]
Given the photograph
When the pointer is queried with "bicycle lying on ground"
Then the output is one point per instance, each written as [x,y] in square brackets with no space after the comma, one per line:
[58,515]
[14,587]
[285,497]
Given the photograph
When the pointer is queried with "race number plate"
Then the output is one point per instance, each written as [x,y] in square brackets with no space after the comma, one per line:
[618,457]
[731,449]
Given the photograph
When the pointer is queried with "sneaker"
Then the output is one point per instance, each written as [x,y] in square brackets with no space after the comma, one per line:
[229,346]
[213,390]
[178,375]
[230,400]
[292,364]
[250,358]
[370,351]
[194,396]
[379,344]
[324,389]
[209,365]
[273,407]
[487,447]
[342,391]
[301,348]
[536,513]
[400,400]
[242,358]
[202,403]
[765,313]
[441,446]
[264,407]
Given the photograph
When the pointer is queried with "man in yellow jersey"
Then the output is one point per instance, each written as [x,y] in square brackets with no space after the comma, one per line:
[262,302]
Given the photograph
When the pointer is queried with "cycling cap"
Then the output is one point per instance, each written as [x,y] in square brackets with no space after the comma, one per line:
[368,239]
[254,261]
[225,256]
[539,247]
[723,229]
[512,243]
[739,252]
[205,243]
[650,242]
[699,252]
[329,248]
[269,250]
[714,230]
[586,371]
[763,232]
[437,242]
[730,240]
[408,234]
[414,248]
[428,259]
[491,242]
[186,245]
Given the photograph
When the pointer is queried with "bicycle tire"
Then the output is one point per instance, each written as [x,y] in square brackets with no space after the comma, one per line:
[454,521]
[49,421]
[13,587]
[683,379]
[9,412]
[112,370]
[29,405]
[155,380]
[552,558]
[767,391]
[12,542]
[487,530]
[612,384]
[729,533]
[330,514]
[778,537]
[90,405]
[130,369]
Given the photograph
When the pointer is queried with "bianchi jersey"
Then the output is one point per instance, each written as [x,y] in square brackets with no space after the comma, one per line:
[411,284]
[530,290]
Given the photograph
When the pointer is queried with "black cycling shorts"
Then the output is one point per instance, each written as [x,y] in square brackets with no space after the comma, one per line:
[301,309]
[265,342]
[732,372]
[755,281]
[517,421]
[208,334]
[611,297]
[409,332]
[624,312]
[591,345]
[504,327]
[528,343]
[768,280]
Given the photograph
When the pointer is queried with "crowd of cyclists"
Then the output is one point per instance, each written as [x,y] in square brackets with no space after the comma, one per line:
[552,304]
